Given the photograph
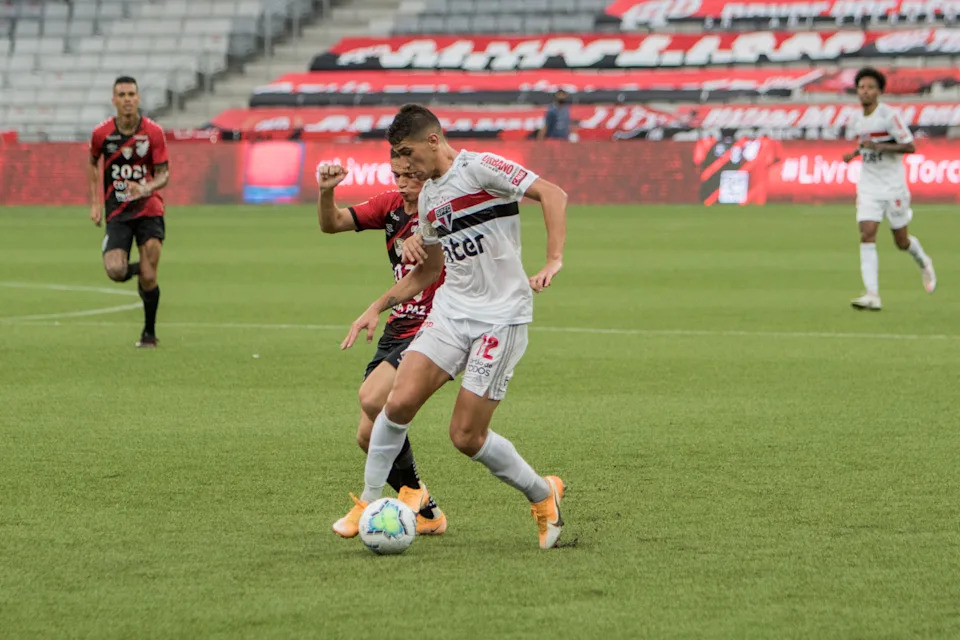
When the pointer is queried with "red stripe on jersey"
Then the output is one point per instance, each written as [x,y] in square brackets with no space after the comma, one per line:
[463,202]
[879,134]
[471,200]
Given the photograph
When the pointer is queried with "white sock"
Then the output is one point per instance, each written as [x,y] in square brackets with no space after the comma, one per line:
[916,250]
[386,441]
[500,456]
[870,267]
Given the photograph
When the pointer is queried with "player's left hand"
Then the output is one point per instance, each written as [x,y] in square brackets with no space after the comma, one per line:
[368,321]
[135,190]
[543,279]
[412,250]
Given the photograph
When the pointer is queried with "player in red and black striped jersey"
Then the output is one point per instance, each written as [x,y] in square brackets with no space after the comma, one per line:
[135,167]
[394,212]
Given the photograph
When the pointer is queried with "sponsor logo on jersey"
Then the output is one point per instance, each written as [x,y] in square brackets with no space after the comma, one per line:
[517,179]
[111,148]
[499,164]
[143,146]
[114,137]
[457,251]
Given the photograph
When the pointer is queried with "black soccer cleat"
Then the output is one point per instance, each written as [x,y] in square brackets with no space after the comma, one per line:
[147,341]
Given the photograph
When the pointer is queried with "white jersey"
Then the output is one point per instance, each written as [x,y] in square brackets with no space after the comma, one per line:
[883,175]
[472,210]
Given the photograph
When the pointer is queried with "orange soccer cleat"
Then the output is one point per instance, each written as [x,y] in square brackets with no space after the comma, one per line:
[349,525]
[547,513]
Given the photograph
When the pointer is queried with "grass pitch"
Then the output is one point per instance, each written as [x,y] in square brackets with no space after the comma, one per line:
[747,457]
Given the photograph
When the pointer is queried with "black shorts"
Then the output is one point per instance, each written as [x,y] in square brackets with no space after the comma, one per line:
[390,350]
[120,234]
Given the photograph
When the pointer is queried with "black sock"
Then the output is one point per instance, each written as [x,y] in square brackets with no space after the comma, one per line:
[403,473]
[133,269]
[151,300]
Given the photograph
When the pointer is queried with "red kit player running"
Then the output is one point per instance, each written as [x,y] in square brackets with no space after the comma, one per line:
[135,167]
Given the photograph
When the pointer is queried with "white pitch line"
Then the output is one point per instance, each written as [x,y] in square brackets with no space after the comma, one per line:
[68,287]
[580,330]
[70,314]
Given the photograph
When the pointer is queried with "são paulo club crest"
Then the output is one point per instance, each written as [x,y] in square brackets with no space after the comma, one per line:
[444,215]
[127,152]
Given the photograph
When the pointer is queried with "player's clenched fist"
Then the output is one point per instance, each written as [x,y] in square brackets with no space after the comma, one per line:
[330,175]
[96,213]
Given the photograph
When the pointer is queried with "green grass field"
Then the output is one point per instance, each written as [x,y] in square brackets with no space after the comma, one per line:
[747,457]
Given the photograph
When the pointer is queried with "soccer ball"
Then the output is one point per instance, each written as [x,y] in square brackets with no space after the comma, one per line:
[388,526]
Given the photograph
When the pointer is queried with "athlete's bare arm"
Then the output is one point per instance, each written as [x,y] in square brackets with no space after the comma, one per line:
[333,219]
[553,199]
[93,180]
[422,276]
[848,157]
[161,176]
[889,147]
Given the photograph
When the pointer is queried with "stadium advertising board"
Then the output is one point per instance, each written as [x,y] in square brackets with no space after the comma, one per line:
[320,88]
[592,122]
[726,170]
[641,14]
[612,51]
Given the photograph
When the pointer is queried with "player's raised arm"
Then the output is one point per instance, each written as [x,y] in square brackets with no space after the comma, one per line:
[332,218]
[422,276]
[553,200]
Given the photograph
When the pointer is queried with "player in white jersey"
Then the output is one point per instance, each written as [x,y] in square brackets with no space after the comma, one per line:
[469,220]
[882,190]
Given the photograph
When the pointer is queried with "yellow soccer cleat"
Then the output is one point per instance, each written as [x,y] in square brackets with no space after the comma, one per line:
[547,513]
[349,525]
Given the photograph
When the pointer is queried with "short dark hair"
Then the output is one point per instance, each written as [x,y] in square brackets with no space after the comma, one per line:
[870,72]
[412,121]
[125,80]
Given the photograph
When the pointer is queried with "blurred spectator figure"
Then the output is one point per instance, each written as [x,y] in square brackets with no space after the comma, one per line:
[557,121]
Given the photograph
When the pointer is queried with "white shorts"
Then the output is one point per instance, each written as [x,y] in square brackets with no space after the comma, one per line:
[485,353]
[896,210]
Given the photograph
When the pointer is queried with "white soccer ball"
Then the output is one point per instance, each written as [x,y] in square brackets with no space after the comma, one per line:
[388,526]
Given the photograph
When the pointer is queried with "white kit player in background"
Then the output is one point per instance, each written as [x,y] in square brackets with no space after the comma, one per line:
[469,220]
[882,190]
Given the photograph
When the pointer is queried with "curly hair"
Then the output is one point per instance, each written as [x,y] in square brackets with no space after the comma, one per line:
[870,72]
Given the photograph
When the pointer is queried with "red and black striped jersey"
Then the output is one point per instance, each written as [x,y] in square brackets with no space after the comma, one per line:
[129,157]
[749,158]
[385,211]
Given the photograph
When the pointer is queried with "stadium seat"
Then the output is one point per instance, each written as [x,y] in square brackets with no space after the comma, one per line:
[460,24]
[27,29]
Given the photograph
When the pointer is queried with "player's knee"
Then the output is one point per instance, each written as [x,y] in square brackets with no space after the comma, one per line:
[466,440]
[400,408]
[116,272]
[867,237]
[371,403]
[902,243]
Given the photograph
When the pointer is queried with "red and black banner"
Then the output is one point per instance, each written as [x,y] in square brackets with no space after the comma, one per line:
[591,122]
[644,14]
[368,88]
[615,51]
